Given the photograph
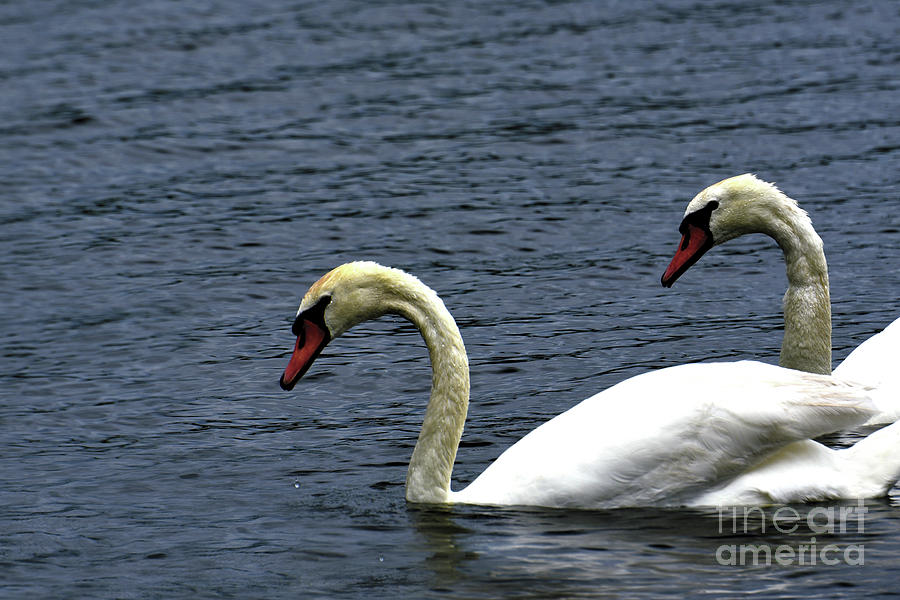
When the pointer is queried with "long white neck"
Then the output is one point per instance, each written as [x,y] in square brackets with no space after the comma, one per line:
[431,465]
[807,305]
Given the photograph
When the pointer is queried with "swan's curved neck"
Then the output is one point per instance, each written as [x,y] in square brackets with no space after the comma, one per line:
[807,306]
[431,465]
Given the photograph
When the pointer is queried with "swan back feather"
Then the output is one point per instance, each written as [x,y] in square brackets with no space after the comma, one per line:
[666,436]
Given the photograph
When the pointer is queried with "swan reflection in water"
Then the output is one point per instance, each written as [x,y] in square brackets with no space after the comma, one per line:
[485,552]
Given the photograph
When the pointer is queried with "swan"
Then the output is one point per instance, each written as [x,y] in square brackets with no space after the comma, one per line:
[745,204]
[662,438]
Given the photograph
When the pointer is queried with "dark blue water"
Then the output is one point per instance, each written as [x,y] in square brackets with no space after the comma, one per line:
[174,175]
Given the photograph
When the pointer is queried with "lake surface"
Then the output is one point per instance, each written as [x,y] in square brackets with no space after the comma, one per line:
[175,175]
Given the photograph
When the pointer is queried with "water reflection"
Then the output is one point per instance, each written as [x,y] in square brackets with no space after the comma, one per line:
[490,551]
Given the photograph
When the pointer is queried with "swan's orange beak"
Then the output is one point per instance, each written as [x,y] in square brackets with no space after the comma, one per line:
[311,339]
[695,241]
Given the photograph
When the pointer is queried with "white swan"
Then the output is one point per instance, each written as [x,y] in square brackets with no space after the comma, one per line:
[745,204]
[668,437]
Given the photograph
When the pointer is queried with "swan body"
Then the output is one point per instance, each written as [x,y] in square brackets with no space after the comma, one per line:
[745,204]
[875,362]
[667,437]
[808,471]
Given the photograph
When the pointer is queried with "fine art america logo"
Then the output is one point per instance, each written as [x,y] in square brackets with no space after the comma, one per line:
[825,522]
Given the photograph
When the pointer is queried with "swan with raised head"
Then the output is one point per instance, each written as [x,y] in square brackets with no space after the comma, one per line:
[745,204]
[667,437]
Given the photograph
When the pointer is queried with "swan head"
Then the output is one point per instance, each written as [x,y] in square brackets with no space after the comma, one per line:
[345,296]
[728,209]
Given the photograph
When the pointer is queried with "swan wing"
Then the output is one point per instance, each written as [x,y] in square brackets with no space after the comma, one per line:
[875,363]
[807,471]
[665,437]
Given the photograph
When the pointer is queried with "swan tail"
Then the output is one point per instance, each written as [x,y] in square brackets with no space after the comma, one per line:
[875,460]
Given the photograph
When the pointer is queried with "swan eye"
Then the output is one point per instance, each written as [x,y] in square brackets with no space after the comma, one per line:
[315,313]
[698,218]
[297,327]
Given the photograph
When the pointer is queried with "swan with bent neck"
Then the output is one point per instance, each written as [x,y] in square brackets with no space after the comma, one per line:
[743,205]
[685,435]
